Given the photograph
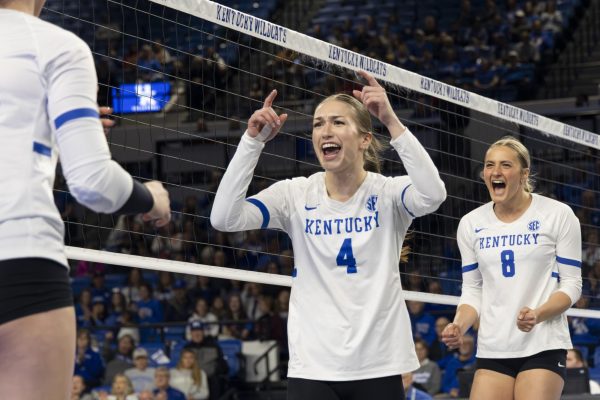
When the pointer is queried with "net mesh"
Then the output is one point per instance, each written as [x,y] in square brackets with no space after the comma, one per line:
[183,88]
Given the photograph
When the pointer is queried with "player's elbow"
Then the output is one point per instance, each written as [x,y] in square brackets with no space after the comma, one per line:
[434,199]
[218,220]
[572,287]
[94,189]
[439,196]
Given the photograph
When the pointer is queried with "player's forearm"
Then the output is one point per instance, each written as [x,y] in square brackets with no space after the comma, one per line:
[557,304]
[421,169]
[465,317]
[395,127]
[230,199]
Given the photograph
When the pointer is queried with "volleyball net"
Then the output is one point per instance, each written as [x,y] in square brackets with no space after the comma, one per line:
[184,76]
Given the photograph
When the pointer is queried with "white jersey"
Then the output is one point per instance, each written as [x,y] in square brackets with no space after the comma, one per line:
[507,266]
[347,318]
[48,103]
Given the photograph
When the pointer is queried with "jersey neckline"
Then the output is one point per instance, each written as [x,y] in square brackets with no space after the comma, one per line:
[336,204]
[529,210]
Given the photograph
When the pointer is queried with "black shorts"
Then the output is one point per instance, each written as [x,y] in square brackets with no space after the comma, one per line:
[32,285]
[386,388]
[552,360]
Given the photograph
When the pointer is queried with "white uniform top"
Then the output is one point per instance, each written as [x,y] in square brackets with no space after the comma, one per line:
[48,103]
[507,266]
[347,318]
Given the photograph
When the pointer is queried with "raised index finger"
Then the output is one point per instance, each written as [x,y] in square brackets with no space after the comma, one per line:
[369,78]
[270,98]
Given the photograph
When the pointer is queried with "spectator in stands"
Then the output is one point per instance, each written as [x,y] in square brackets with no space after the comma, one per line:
[208,353]
[429,375]
[164,288]
[208,319]
[146,395]
[88,362]
[438,351]
[411,392]
[584,331]
[542,40]
[523,334]
[83,307]
[163,56]
[270,326]
[552,18]
[78,392]
[486,77]
[516,74]
[141,376]
[593,280]
[465,359]
[286,262]
[218,308]
[149,68]
[132,289]
[437,310]
[526,48]
[423,323]
[249,297]
[121,389]
[189,378]
[121,360]
[149,310]
[591,255]
[178,308]
[235,312]
[128,326]
[575,360]
[99,288]
[116,308]
[520,26]
[162,385]
[204,287]
[99,315]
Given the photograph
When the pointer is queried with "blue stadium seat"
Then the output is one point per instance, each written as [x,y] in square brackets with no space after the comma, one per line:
[597,357]
[175,353]
[115,280]
[232,350]
[174,333]
[79,283]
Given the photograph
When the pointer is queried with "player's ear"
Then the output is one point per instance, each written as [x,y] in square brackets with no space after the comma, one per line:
[366,140]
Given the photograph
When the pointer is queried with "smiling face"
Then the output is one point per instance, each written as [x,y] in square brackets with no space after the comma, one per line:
[504,175]
[337,139]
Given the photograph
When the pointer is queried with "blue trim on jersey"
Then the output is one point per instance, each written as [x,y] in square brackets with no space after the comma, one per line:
[555,275]
[294,272]
[42,149]
[74,114]
[470,267]
[406,208]
[568,261]
[263,209]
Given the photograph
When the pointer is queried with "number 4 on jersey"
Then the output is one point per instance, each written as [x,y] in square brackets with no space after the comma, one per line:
[345,257]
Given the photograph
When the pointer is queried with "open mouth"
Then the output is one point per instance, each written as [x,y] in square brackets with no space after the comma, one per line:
[498,186]
[330,150]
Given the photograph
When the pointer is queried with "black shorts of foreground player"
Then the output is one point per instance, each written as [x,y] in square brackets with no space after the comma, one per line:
[347,320]
[521,257]
[48,110]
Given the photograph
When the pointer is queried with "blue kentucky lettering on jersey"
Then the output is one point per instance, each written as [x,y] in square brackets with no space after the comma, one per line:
[533,225]
[371,203]
[521,239]
[340,226]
